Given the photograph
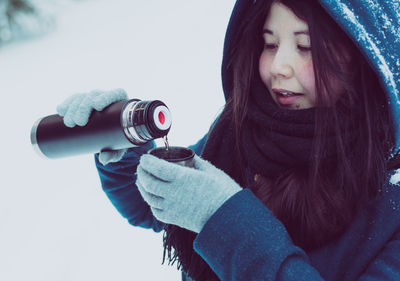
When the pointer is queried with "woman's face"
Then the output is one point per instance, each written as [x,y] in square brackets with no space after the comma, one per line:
[285,64]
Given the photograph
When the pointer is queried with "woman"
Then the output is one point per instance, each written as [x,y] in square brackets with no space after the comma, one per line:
[297,182]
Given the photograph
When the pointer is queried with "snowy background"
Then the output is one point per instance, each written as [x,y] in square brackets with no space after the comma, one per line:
[55,222]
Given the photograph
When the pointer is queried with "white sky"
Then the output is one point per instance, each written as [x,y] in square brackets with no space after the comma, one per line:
[55,221]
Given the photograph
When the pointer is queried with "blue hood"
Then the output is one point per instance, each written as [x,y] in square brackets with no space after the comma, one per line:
[374,25]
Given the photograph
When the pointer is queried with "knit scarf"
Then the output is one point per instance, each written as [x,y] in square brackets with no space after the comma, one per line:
[273,140]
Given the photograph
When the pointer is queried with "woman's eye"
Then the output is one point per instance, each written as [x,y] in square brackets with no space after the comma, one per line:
[270,46]
[304,48]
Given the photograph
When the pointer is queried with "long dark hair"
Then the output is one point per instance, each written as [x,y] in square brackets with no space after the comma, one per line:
[315,203]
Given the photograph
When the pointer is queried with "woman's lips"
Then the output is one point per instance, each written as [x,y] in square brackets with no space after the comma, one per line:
[288,100]
[286,97]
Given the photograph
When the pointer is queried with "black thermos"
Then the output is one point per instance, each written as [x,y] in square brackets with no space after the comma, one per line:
[121,125]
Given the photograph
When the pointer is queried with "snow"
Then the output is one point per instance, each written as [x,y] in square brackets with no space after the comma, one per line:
[377,30]
[395,179]
[365,36]
[55,221]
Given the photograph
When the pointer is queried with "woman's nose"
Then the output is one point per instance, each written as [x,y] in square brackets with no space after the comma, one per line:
[282,65]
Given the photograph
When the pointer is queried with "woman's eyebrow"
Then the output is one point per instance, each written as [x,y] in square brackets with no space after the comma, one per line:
[301,32]
[268,31]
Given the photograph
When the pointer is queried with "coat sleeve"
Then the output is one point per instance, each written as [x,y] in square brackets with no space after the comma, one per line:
[386,266]
[244,241]
[118,182]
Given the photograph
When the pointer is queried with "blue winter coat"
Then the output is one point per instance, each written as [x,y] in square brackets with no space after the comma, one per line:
[243,240]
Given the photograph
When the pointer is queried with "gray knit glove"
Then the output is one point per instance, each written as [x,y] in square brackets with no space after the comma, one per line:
[77,108]
[186,197]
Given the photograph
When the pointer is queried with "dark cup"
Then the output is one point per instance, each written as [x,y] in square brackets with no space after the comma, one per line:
[176,154]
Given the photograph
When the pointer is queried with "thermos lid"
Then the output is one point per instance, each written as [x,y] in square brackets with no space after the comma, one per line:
[162,118]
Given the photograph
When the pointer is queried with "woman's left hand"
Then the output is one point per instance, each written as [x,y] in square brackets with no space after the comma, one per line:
[183,196]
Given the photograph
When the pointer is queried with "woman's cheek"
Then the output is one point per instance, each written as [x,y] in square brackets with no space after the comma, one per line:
[264,69]
[307,79]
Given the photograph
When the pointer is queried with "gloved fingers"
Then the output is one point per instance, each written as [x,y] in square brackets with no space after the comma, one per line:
[152,184]
[201,164]
[204,166]
[85,108]
[108,97]
[106,157]
[63,107]
[72,108]
[159,214]
[160,168]
[77,108]
[151,199]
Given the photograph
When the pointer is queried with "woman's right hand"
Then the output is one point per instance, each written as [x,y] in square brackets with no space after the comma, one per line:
[77,109]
